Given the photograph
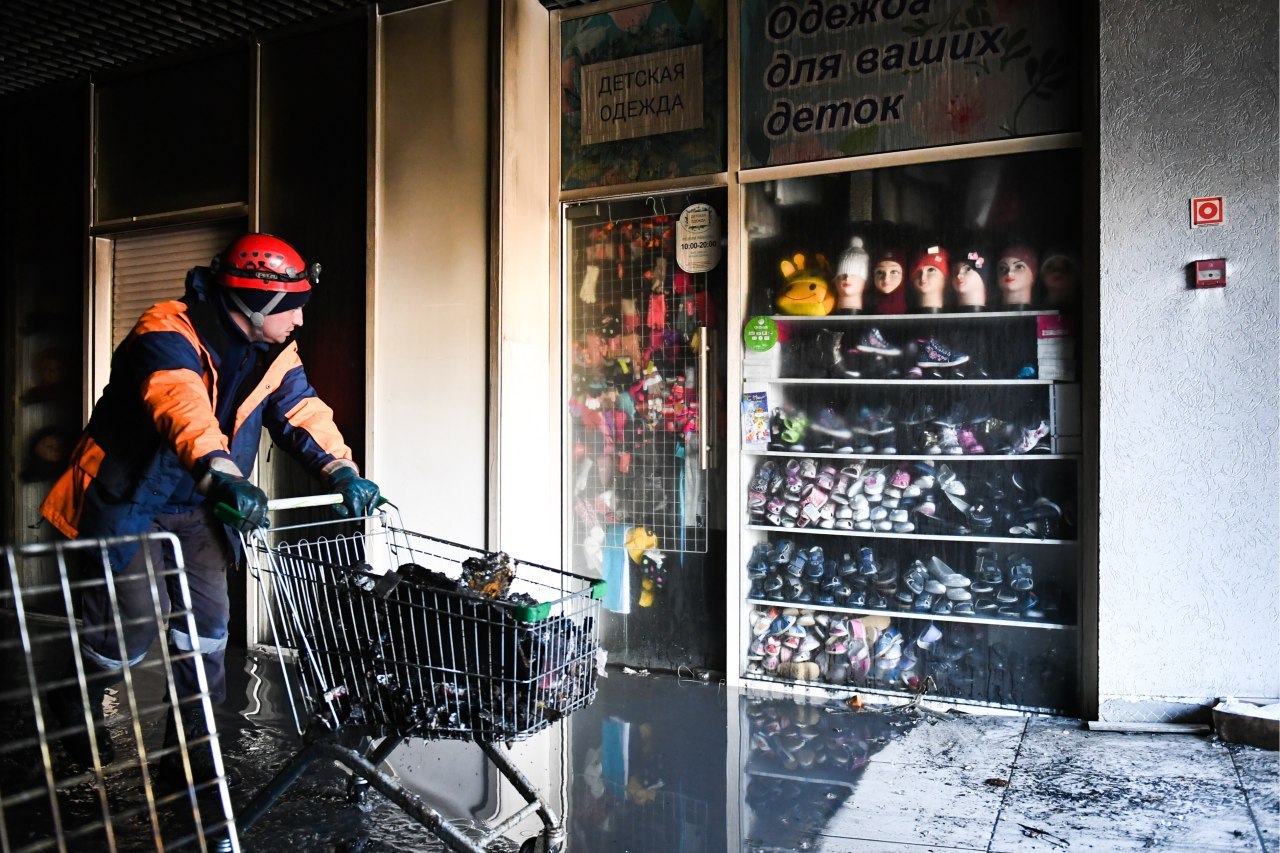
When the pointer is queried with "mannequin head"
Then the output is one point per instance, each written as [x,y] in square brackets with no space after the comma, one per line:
[1060,276]
[1016,273]
[851,277]
[929,278]
[887,275]
[968,280]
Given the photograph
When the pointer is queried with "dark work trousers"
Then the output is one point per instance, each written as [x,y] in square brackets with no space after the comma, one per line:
[207,555]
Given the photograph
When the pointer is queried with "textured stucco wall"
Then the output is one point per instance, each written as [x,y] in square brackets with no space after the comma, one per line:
[1189,590]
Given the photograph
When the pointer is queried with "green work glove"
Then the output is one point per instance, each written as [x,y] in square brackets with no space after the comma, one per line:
[245,503]
[359,496]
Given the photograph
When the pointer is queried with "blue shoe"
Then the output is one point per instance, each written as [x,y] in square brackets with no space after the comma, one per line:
[933,353]
[875,343]
[887,641]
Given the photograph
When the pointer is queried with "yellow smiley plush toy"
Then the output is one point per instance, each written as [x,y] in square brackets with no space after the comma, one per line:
[807,289]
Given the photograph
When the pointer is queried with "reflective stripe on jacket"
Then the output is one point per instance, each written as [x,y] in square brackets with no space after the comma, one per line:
[155,422]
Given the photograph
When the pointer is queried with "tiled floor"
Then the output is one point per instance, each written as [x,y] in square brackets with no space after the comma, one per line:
[898,781]
[665,765]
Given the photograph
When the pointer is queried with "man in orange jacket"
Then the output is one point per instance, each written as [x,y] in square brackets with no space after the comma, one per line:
[176,433]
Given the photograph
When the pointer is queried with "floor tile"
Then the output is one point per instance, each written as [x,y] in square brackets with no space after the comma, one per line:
[943,804]
[1095,809]
[1259,771]
[964,741]
[1068,747]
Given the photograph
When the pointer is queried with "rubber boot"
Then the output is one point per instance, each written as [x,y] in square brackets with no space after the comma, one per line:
[191,719]
[67,705]
[832,344]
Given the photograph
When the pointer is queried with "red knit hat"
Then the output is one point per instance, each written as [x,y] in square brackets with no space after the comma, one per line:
[934,256]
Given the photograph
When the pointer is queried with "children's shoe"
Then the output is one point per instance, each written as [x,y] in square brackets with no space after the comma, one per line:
[969,442]
[874,342]
[933,353]
[831,424]
[949,441]
[1031,438]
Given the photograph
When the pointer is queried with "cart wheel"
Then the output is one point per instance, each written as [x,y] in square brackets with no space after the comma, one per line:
[357,791]
[538,844]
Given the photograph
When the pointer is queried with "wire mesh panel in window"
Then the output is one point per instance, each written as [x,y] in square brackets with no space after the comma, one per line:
[635,323]
[151,268]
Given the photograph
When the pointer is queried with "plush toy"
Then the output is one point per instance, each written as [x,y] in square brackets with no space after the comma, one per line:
[807,289]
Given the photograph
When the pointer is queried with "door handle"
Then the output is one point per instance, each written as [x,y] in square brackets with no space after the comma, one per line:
[706,399]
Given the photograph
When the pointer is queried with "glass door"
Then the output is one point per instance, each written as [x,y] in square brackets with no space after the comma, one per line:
[644,297]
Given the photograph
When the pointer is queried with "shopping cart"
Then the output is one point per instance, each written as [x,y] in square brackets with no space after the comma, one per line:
[379,637]
[49,801]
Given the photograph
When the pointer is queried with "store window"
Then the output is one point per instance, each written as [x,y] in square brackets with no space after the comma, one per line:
[912,429]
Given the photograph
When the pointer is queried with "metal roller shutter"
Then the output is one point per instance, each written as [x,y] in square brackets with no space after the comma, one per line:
[150,268]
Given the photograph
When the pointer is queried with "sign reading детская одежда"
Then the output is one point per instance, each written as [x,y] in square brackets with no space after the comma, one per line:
[642,95]
[838,78]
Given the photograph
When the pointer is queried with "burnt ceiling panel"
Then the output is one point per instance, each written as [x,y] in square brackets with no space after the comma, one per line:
[50,41]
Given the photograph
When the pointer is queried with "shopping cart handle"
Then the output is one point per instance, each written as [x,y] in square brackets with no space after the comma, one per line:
[227,514]
[304,501]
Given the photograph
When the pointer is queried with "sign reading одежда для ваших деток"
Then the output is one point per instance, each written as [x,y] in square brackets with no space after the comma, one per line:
[835,78]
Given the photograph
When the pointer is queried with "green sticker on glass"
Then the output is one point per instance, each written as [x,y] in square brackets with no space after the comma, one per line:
[760,334]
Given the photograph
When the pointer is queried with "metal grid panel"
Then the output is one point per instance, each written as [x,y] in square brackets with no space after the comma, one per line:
[48,41]
[634,321]
[50,798]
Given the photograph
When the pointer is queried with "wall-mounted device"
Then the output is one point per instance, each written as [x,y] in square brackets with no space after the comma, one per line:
[1208,273]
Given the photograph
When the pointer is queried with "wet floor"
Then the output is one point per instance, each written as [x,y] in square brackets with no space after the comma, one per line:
[660,764]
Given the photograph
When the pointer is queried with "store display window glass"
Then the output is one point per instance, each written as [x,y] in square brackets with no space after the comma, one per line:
[911,429]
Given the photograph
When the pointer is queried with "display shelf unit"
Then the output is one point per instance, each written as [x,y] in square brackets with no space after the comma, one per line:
[913,457]
[855,418]
[924,537]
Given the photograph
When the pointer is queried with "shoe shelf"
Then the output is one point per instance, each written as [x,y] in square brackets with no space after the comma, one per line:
[1003,622]
[798,775]
[911,408]
[925,537]
[950,383]
[917,319]
[835,689]
[919,457]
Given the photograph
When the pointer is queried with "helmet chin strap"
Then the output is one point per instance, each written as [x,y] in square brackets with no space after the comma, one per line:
[256,318]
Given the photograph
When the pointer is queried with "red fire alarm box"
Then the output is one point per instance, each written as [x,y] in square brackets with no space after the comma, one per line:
[1209,273]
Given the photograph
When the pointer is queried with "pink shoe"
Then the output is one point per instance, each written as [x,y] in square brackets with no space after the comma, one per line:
[969,442]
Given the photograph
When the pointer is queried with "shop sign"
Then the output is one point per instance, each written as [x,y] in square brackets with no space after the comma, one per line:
[642,95]
[838,78]
[698,238]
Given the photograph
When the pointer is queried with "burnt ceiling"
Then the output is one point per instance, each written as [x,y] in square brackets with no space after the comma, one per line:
[43,42]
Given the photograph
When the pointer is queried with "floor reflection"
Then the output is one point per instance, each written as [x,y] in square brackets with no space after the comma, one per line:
[659,764]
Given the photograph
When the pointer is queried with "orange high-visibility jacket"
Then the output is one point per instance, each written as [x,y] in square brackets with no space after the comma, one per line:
[155,422]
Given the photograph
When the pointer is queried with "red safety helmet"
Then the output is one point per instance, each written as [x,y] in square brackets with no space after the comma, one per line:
[264,275]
